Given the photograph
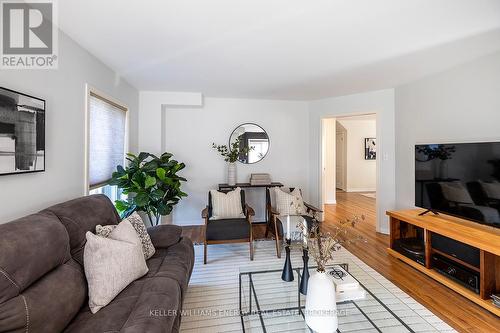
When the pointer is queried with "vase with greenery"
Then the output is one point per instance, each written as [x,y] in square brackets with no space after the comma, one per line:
[441,154]
[231,154]
[151,183]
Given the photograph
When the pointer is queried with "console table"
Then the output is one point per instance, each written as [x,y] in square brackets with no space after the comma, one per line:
[484,238]
[248,185]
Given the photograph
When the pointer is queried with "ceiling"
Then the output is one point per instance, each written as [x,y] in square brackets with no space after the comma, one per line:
[281,49]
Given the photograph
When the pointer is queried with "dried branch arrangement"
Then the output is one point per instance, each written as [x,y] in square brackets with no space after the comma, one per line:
[322,245]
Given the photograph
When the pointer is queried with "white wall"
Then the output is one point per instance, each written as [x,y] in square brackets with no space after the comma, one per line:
[459,105]
[382,104]
[64,92]
[361,173]
[190,131]
[151,124]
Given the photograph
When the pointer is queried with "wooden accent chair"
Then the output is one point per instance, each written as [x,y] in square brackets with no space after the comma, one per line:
[222,231]
[274,223]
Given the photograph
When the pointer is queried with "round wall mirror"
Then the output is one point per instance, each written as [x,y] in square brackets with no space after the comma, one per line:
[252,137]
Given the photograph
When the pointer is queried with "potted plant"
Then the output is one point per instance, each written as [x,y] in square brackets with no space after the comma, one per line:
[151,183]
[231,155]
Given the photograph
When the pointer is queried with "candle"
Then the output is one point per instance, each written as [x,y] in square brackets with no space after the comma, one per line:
[305,231]
[288,227]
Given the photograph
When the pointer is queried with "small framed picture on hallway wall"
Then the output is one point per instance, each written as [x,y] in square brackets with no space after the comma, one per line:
[370,148]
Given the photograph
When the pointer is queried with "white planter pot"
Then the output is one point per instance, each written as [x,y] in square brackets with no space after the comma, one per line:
[231,174]
[167,219]
[443,169]
[321,306]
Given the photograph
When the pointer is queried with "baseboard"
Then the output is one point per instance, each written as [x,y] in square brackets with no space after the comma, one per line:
[361,190]
[331,202]
[189,223]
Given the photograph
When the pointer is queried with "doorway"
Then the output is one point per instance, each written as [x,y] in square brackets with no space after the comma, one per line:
[349,153]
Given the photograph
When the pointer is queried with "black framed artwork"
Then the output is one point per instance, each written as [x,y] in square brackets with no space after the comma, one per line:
[370,148]
[22,133]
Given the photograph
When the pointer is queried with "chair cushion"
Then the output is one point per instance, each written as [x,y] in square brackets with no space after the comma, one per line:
[228,229]
[226,205]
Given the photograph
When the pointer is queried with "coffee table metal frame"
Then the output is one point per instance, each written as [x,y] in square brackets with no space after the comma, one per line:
[299,307]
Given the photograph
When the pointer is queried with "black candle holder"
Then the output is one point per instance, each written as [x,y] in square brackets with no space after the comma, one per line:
[305,272]
[287,274]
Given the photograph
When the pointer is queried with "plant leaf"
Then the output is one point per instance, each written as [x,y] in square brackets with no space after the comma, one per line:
[149,182]
[141,199]
[160,172]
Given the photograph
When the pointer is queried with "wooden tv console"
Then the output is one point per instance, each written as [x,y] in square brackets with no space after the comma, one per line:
[485,238]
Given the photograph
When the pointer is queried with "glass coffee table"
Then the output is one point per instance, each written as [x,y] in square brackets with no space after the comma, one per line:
[269,304]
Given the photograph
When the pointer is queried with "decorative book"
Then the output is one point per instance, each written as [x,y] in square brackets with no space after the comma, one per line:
[347,287]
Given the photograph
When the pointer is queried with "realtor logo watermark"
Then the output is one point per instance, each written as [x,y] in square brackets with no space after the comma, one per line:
[29,37]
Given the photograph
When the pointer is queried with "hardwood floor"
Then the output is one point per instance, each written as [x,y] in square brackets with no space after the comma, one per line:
[457,311]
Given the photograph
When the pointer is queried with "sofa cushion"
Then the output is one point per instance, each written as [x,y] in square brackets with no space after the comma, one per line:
[41,287]
[146,305]
[29,248]
[149,304]
[164,235]
[176,262]
[49,304]
[81,215]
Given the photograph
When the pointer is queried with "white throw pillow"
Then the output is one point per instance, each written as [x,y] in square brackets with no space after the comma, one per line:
[289,203]
[135,219]
[226,205]
[112,263]
[456,192]
[492,190]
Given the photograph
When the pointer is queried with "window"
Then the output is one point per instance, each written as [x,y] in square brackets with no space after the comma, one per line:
[106,138]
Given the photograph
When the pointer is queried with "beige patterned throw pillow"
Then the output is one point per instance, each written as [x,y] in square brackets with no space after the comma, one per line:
[289,203]
[147,246]
[226,205]
[456,192]
[492,190]
[112,263]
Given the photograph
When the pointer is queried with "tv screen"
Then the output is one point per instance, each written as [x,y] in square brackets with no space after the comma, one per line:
[460,179]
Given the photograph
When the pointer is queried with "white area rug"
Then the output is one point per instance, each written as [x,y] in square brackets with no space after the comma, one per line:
[212,302]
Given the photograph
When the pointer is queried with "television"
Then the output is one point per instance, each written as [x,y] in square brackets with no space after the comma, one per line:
[459,179]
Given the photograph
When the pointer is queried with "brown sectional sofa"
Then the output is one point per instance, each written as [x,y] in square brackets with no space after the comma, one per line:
[42,280]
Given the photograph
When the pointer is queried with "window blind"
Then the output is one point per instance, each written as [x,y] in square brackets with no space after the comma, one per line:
[107,123]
